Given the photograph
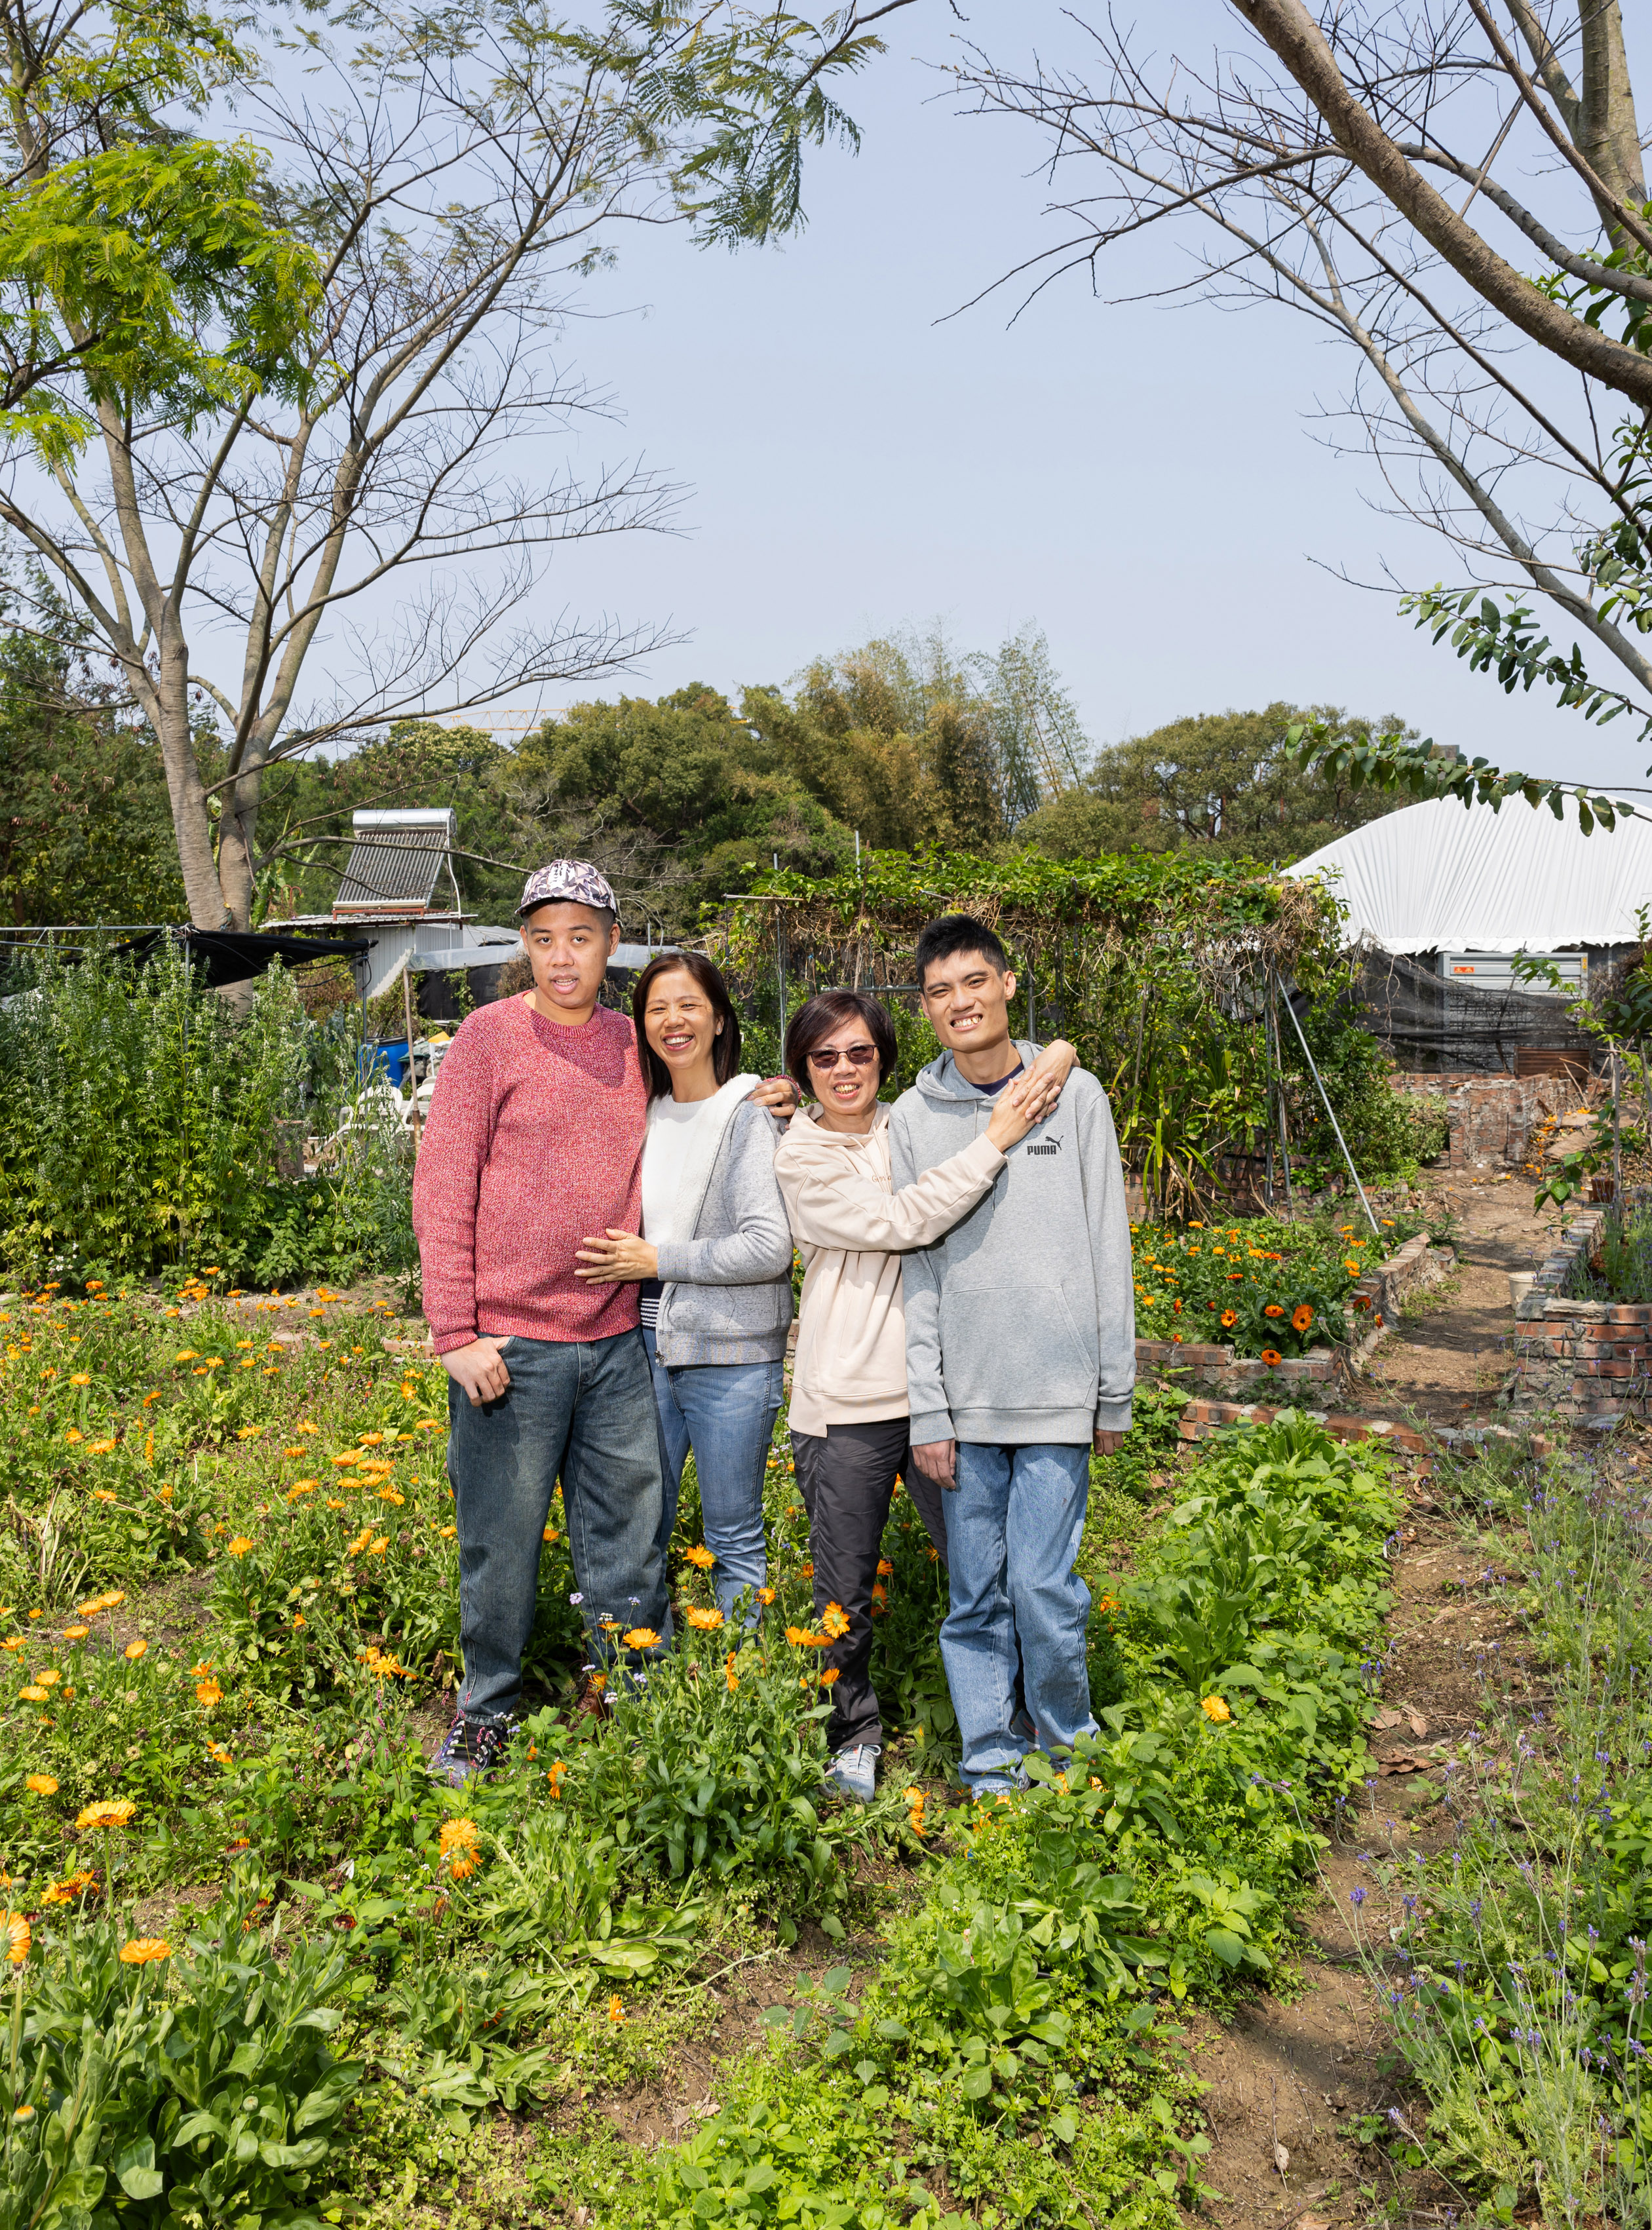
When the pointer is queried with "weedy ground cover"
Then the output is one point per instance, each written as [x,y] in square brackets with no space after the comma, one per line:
[1516,1986]
[264,1969]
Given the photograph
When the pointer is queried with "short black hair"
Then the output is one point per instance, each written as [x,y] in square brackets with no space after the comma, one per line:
[820,1016]
[949,934]
[726,1053]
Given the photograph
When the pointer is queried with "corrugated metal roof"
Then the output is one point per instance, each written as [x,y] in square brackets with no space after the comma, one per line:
[394,861]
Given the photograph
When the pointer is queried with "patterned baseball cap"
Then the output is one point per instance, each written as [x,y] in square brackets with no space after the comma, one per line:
[574,881]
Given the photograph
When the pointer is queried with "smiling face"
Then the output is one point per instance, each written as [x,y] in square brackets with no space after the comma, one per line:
[847,1092]
[567,946]
[682,1027]
[967,1002]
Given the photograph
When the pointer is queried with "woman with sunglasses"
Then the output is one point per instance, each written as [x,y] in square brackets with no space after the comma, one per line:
[848,1389]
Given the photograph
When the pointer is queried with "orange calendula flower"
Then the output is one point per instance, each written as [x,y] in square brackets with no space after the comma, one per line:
[111,1813]
[65,1892]
[806,1571]
[13,1934]
[460,1845]
[207,1692]
[706,1621]
[765,1594]
[33,1695]
[143,1949]
[221,1752]
[700,1556]
[102,1494]
[1216,1711]
[556,1775]
[731,1677]
[1271,1355]
[641,1637]
[885,1568]
[75,1633]
[14,1641]
[41,1784]
[616,2010]
[835,1620]
[1230,1317]
[1273,1309]
[49,1679]
[829,1676]
[134,1650]
[239,1546]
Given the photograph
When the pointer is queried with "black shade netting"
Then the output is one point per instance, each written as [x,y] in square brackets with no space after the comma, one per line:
[1431,1022]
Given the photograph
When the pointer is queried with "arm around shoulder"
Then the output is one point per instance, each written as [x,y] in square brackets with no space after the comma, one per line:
[1108,1219]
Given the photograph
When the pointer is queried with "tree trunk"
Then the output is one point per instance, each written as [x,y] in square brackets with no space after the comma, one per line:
[1607,136]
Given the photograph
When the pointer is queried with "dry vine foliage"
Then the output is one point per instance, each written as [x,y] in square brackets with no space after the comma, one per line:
[1165,972]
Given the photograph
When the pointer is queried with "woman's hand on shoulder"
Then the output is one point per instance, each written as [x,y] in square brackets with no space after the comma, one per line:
[1040,1089]
[779,1094]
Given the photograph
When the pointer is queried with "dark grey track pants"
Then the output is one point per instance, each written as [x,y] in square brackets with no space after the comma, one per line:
[847,1475]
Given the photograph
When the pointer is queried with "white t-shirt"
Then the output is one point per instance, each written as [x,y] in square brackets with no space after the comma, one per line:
[665,1151]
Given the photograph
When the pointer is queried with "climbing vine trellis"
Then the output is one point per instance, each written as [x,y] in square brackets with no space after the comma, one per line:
[1166,973]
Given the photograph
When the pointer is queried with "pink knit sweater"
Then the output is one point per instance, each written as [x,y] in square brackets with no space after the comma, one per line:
[535,1141]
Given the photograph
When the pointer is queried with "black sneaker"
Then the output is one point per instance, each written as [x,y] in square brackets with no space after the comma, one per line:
[473,1747]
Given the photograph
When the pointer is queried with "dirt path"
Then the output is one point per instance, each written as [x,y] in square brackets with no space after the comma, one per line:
[1302,2068]
[1446,1361]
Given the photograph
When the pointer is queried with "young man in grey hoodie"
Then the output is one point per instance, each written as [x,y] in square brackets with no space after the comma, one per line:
[1021,1357]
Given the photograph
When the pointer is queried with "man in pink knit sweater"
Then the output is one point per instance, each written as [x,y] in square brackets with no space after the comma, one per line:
[535,1139]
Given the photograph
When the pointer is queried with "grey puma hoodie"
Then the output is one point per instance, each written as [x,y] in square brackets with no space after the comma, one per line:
[1021,1322]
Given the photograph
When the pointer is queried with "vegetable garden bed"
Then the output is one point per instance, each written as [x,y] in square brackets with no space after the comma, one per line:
[229,1612]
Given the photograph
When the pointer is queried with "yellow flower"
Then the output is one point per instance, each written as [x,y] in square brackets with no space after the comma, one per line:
[74,1433]
[102,1494]
[239,1546]
[350,1456]
[292,1452]
[641,1637]
[218,1750]
[14,1641]
[32,1695]
[706,1621]
[765,1594]
[108,1813]
[1215,1710]
[431,1425]
[75,1633]
[247,1432]
[49,1679]
[207,1692]
[376,1548]
[136,1649]
[615,2010]
[299,1488]
[447,1532]
[186,1355]
[388,1494]
[14,1933]
[729,1675]
[41,1784]
[835,1620]
[700,1555]
[65,1892]
[460,1846]
[79,1378]
[369,1440]
[143,1949]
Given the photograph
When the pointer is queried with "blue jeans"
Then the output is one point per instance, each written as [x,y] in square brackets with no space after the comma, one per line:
[583,1408]
[725,1412]
[1012,1533]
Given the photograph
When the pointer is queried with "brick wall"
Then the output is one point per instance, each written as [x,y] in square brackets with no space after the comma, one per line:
[1493,1118]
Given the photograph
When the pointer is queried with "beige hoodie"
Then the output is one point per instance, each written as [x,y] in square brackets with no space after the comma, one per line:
[852,1228]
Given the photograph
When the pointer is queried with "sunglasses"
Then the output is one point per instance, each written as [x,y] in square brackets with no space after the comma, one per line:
[858,1056]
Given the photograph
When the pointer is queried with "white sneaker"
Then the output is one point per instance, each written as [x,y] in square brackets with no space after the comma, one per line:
[855,1772]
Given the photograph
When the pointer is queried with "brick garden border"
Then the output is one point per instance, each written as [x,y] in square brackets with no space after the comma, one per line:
[1590,1359]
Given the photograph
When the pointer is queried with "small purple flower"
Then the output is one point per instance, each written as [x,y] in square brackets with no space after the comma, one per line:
[1356,1898]
[576,1600]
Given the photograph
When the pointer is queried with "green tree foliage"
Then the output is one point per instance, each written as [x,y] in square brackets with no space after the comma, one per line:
[1227,783]
[675,800]
[85,824]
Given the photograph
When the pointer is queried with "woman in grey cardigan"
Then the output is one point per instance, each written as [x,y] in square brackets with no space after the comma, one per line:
[713,1258]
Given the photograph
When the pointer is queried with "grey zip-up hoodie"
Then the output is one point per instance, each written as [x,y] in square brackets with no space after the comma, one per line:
[1021,1322]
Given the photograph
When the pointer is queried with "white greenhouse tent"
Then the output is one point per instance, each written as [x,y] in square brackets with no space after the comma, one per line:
[1443,898]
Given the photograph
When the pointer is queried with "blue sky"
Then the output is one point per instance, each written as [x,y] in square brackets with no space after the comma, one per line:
[1144,480]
